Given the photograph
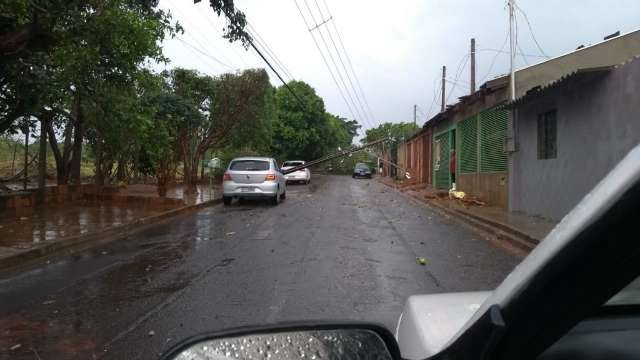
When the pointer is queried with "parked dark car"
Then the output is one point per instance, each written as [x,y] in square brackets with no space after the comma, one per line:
[361,170]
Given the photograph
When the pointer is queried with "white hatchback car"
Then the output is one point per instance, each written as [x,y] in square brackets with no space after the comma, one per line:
[303,175]
[253,177]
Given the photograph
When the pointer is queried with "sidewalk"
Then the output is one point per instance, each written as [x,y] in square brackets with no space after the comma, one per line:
[56,227]
[520,232]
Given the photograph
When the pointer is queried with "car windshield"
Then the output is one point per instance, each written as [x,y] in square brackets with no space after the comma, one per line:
[249,165]
[148,191]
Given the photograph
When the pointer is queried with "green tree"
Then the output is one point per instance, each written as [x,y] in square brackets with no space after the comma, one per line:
[300,131]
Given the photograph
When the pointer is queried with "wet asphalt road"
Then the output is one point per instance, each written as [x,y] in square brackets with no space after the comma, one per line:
[337,249]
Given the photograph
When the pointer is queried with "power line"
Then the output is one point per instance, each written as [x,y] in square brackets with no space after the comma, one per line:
[533,36]
[436,95]
[493,61]
[193,47]
[335,27]
[274,70]
[458,73]
[335,65]
[506,52]
[197,30]
[268,50]
[353,88]
[324,59]
[208,20]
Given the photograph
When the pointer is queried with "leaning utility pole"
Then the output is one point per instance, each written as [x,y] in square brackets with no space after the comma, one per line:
[444,77]
[512,46]
[473,65]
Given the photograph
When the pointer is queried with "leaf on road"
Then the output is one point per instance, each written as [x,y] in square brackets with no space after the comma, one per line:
[231,233]
[421,260]
[151,333]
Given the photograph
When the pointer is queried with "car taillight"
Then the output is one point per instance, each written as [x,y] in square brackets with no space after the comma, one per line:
[270,177]
[226,177]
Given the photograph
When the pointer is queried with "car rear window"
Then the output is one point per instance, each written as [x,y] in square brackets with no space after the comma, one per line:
[249,165]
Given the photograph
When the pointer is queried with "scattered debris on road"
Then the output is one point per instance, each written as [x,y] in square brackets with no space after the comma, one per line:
[15,347]
[231,233]
[421,260]
[151,333]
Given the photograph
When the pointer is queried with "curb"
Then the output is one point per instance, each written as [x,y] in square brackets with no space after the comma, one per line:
[75,243]
[507,237]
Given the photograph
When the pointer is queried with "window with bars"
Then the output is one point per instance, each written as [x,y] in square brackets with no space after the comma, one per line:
[547,135]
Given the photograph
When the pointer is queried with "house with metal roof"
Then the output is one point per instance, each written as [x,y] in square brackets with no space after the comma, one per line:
[570,133]
[482,133]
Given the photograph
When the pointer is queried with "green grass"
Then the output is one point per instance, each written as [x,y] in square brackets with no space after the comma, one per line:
[7,160]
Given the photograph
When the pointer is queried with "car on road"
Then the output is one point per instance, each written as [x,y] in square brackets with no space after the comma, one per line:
[253,177]
[361,170]
[303,176]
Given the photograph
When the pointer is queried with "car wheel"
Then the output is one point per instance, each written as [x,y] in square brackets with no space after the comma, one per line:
[308,181]
[353,176]
[227,200]
[283,196]
[275,199]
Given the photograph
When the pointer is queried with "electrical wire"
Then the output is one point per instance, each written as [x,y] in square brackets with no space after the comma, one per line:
[335,65]
[506,52]
[324,59]
[493,61]
[458,73]
[197,30]
[533,36]
[333,61]
[344,68]
[213,26]
[271,53]
[335,27]
[195,48]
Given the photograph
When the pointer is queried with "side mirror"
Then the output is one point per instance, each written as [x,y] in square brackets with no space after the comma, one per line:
[348,341]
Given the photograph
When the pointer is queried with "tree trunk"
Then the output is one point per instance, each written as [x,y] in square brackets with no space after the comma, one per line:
[61,167]
[42,160]
[13,159]
[78,136]
[26,156]
[121,170]
[99,180]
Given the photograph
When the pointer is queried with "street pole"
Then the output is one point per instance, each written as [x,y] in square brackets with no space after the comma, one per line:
[444,76]
[415,108]
[473,65]
[512,45]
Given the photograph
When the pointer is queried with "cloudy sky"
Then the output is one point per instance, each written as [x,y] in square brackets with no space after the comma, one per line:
[397,48]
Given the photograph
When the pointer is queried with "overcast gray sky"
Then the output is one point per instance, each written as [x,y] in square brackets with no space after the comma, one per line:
[397,48]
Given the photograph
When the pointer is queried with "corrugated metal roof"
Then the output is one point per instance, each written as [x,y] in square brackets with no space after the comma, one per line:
[578,74]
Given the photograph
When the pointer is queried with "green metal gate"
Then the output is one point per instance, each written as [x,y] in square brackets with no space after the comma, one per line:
[441,153]
[468,153]
[493,133]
